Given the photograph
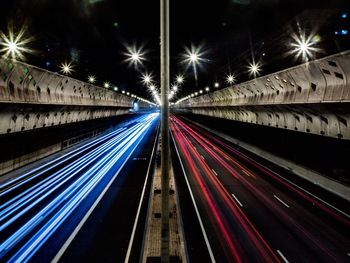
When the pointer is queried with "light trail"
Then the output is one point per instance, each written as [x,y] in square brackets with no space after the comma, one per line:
[222,223]
[336,213]
[36,213]
[224,156]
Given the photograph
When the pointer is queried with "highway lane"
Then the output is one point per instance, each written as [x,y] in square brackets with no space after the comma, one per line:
[107,234]
[36,206]
[251,214]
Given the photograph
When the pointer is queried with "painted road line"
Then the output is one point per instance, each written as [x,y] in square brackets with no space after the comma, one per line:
[214,172]
[140,203]
[244,171]
[237,200]
[89,212]
[282,256]
[297,186]
[275,196]
[211,254]
[202,157]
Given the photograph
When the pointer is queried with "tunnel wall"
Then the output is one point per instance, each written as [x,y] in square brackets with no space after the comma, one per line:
[16,118]
[33,98]
[28,146]
[313,98]
[23,83]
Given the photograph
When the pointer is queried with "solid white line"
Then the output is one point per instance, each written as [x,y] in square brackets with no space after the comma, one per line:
[237,200]
[282,256]
[140,204]
[202,157]
[195,206]
[89,212]
[280,200]
[214,172]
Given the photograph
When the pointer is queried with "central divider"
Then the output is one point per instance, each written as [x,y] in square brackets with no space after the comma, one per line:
[152,248]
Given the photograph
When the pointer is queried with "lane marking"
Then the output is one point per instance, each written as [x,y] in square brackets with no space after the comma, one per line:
[92,208]
[275,196]
[297,186]
[140,203]
[244,171]
[195,205]
[348,254]
[214,172]
[282,256]
[237,200]
[202,157]
[195,148]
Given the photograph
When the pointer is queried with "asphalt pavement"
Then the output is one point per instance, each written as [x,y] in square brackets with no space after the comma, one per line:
[250,211]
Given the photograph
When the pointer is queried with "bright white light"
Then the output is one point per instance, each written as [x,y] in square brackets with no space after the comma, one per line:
[207,89]
[152,87]
[230,79]
[193,57]
[106,85]
[92,79]
[216,84]
[14,45]
[180,79]
[135,56]
[115,88]
[147,78]
[67,68]
[123,91]
[196,93]
[128,93]
[174,88]
[304,47]
[254,69]
[201,91]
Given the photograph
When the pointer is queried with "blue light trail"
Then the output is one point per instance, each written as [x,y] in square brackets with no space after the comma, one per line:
[34,205]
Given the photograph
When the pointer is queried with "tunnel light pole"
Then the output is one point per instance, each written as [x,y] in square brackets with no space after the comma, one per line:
[164,62]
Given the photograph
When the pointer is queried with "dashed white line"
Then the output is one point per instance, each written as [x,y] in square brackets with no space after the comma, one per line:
[202,157]
[237,200]
[195,148]
[214,172]
[275,196]
[297,186]
[282,256]
[244,171]
[348,254]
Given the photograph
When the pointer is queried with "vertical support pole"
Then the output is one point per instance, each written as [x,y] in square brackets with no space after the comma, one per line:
[164,62]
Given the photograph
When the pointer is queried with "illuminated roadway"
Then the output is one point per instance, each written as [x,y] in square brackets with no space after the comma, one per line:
[239,209]
[90,204]
[43,210]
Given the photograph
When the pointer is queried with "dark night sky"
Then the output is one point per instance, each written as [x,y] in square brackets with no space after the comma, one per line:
[65,28]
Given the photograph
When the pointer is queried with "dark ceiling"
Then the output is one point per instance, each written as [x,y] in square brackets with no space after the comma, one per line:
[93,34]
